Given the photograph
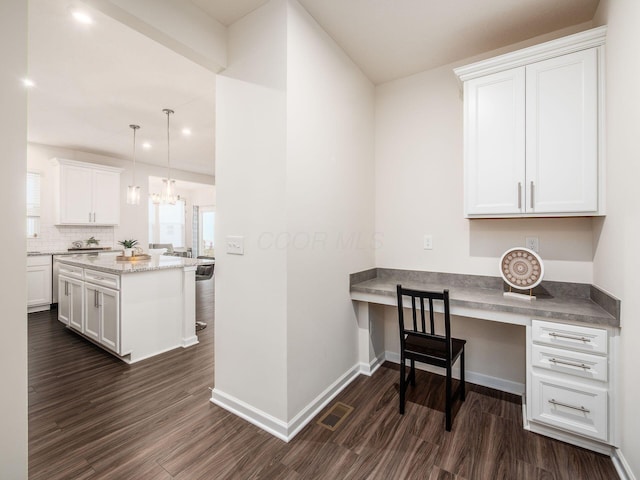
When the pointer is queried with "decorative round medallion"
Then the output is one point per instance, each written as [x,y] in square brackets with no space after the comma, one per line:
[521,268]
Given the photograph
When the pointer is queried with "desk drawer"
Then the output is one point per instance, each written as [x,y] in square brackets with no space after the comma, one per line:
[585,339]
[101,278]
[570,406]
[583,365]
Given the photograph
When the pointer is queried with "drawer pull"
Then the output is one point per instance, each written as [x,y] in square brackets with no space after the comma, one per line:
[570,337]
[571,364]
[582,409]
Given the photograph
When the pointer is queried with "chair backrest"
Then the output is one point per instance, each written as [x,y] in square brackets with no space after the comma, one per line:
[420,325]
[205,271]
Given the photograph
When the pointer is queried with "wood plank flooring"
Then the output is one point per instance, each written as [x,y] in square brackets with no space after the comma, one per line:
[94,417]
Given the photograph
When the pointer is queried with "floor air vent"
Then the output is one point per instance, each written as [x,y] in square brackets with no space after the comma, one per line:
[335,416]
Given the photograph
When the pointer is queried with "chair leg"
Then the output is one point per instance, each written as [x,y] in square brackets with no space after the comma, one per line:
[402,387]
[462,381]
[448,400]
[413,373]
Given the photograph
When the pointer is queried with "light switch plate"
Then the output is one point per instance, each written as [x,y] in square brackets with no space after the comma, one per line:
[235,245]
[428,242]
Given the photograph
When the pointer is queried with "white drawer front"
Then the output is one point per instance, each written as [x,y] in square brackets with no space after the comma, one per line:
[38,260]
[101,278]
[585,339]
[579,364]
[70,271]
[569,406]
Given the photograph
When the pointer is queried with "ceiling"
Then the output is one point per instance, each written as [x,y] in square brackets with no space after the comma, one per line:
[93,81]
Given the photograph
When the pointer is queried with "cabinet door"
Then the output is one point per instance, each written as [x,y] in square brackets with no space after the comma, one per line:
[76,195]
[76,310]
[64,301]
[38,285]
[110,305]
[562,134]
[92,312]
[495,143]
[106,197]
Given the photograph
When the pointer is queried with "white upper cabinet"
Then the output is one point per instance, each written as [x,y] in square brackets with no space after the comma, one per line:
[494,124]
[533,130]
[87,194]
[562,133]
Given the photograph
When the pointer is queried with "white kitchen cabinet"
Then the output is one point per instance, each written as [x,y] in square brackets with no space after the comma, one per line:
[533,124]
[102,315]
[71,302]
[87,194]
[39,275]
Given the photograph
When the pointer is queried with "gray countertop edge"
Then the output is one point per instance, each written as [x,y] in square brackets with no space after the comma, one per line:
[606,308]
[141,267]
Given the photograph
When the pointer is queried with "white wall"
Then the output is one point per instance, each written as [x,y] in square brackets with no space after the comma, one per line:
[419,190]
[13,295]
[250,307]
[330,200]
[133,218]
[616,236]
[294,176]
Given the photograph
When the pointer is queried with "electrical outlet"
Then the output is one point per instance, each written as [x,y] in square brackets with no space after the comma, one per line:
[428,242]
[235,245]
[532,243]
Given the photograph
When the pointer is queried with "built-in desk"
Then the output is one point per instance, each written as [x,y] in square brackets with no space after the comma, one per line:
[572,332]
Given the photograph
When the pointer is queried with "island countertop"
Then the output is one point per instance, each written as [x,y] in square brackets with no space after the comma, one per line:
[111,265]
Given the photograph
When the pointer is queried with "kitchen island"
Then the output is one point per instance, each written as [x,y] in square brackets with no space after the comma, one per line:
[132,309]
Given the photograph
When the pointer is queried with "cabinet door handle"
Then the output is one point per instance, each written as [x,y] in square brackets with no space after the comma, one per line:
[519,196]
[94,217]
[66,288]
[582,409]
[89,217]
[571,364]
[570,337]
[95,298]
[532,187]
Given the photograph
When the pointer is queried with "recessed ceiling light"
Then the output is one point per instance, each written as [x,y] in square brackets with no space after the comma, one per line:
[146,145]
[186,132]
[82,17]
[27,82]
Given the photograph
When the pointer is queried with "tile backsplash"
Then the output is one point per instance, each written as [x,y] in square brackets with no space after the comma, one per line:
[61,237]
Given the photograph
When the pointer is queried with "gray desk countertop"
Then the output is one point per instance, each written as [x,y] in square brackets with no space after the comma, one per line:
[559,301]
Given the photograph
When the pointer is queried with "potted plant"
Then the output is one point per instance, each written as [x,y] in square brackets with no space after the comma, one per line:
[128,246]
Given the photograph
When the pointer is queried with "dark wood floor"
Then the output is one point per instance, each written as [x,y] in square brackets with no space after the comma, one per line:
[92,416]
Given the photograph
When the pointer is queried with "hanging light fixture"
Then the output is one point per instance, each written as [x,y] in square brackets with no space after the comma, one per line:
[168,195]
[133,191]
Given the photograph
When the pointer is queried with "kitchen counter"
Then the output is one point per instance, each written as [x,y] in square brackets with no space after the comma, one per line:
[109,264]
[67,252]
[560,301]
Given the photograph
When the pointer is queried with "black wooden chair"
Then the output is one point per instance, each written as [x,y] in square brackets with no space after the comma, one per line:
[418,344]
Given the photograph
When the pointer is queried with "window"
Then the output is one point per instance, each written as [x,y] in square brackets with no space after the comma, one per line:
[166,224]
[33,204]
[207,227]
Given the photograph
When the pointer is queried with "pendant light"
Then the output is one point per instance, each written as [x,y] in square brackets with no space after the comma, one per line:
[168,195]
[133,191]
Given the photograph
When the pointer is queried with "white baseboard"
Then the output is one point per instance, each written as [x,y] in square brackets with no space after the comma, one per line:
[471,377]
[278,428]
[189,341]
[369,368]
[622,466]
